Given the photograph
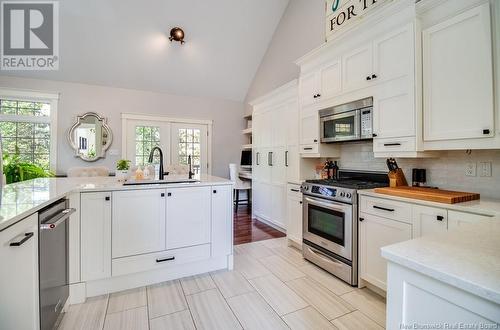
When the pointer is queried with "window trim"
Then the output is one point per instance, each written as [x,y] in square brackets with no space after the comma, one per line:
[36,96]
[131,117]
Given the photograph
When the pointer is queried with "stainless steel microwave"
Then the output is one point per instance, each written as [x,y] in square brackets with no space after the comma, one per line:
[347,122]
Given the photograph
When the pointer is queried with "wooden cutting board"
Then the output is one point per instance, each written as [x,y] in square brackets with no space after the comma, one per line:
[429,194]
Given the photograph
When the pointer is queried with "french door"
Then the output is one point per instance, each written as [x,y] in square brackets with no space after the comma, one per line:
[190,140]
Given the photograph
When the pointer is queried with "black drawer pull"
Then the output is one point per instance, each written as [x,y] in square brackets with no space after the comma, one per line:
[439,218]
[165,259]
[382,208]
[315,140]
[361,219]
[368,78]
[300,202]
[374,135]
[391,144]
[162,194]
[169,194]
[309,148]
[295,190]
[107,198]
[486,131]
[214,191]
[26,237]
[374,76]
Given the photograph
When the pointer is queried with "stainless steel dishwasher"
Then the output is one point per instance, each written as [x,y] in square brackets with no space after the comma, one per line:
[53,259]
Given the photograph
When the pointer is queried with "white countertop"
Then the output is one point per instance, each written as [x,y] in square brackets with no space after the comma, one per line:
[484,206]
[467,258]
[19,200]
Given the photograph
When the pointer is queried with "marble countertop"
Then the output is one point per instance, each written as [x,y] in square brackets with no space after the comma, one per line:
[484,206]
[19,200]
[467,257]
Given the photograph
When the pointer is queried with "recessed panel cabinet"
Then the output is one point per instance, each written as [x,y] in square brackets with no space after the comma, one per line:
[95,235]
[19,275]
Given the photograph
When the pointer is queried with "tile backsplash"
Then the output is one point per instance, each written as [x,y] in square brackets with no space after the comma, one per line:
[446,172]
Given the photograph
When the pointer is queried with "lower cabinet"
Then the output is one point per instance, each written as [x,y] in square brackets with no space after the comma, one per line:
[457,219]
[138,224]
[374,233]
[188,216]
[19,275]
[222,221]
[428,220]
[95,233]
[294,214]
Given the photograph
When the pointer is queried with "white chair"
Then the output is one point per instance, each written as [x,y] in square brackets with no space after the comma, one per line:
[239,185]
[90,171]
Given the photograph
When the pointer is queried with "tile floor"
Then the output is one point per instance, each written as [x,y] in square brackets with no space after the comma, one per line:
[271,287]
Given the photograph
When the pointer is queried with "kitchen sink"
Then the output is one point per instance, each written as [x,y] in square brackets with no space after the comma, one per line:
[149,182]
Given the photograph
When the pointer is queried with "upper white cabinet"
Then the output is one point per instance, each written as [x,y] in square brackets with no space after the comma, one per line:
[95,219]
[357,68]
[458,81]
[188,216]
[138,222]
[19,275]
[321,84]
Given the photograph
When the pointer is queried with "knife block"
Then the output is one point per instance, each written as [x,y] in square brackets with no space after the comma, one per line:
[397,178]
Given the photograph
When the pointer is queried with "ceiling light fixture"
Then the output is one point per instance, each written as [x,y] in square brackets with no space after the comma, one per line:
[177,34]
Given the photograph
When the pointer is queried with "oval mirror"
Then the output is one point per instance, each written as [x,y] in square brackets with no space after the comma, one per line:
[90,137]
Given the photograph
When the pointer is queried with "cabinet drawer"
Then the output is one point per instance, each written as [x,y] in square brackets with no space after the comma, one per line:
[158,260]
[386,208]
[394,144]
[293,190]
[309,148]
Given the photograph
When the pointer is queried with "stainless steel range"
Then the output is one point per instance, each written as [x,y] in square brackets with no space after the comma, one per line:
[330,221]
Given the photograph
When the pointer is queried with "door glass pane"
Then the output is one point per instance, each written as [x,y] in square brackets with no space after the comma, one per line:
[146,138]
[189,145]
[326,223]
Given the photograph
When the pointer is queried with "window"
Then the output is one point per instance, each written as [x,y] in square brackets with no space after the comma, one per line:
[146,138]
[189,145]
[27,120]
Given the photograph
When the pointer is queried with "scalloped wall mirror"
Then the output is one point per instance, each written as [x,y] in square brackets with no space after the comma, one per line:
[90,137]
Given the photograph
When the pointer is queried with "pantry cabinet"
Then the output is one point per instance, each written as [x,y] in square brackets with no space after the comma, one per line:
[138,224]
[95,232]
[188,216]
[458,80]
[19,274]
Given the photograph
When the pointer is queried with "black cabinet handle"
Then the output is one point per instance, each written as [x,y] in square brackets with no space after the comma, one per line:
[361,219]
[286,158]
[439,218]
[374,135]
[383,208]
[368,78]
[486,131]
[169,194]
[319,95]
[308,148]
[165,259]
[315,96]
[26,237]
[107,198]
[300,202]
[374,76]
[215,191]
[270,158]
[257,157]
[391,144]
[295,190]
[162,194]
[315,140]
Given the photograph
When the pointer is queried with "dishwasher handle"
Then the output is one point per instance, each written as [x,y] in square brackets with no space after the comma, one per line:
[58,219]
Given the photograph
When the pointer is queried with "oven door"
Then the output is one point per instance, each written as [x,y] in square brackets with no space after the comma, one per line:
[340,127]
[328,224]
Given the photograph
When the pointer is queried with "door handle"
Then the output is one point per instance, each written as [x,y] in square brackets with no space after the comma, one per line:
[270,158]
[392,144]
[25,237]
[257,157]
[382,208]
[165,259]
[439,218]
[286,158]
[295,190]
[57,220]
[308,148]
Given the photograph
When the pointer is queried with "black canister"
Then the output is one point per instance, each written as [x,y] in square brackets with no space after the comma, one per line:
[418,177]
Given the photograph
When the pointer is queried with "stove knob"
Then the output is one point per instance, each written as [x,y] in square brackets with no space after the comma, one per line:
[348,195]
[342,194]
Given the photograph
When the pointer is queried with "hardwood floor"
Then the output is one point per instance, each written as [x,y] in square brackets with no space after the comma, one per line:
[257,294]
[247,230]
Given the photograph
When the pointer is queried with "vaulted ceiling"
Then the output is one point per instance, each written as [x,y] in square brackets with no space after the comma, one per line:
[124,43]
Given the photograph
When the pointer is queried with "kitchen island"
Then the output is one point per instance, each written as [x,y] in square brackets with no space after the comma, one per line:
[449,279]
[120,237]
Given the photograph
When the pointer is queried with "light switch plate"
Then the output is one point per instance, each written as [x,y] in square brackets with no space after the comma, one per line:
[471,169]
[485,169]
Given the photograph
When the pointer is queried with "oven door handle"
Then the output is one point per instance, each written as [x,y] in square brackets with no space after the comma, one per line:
[58,219]
[324,256]
[331,205]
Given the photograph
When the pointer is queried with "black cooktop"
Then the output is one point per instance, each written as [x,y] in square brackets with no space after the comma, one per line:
[356,180]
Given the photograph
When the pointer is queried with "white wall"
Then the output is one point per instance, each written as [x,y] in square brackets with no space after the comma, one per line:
[110,102]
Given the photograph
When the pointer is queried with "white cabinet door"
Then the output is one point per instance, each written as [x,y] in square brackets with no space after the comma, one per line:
[458,219]
[256,131]
[278,205]
[394,54]
[294,214]
[138,224]
[262,197]
[292,162]
[222,220]
[330,79]
[266,160]
[309,127]
[292,120]
[279,125]
[278,165]
[95,234]
[188,216]
[19,275]
[428,220]
[458,79]
[374,233]
[308,88]
[356,68]
[266,130]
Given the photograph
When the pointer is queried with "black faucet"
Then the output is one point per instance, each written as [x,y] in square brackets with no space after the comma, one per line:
[190,167]
[151,154]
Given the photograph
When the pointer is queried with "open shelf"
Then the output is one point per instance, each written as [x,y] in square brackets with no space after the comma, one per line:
[246,146]
[247,131]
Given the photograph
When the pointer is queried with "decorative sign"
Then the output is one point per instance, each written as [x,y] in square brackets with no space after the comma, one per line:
[343,13]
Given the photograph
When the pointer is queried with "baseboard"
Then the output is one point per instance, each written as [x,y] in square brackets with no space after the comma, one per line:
[270,224]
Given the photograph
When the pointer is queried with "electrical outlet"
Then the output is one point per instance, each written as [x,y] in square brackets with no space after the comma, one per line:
[485,169]
[470,169]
